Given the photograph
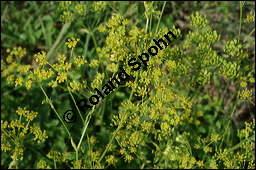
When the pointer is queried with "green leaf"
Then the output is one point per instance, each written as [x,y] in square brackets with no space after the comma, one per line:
[37,25]
[49,27]
[52,123]
[75,75]
[38,34]
[71,156]
[47,18]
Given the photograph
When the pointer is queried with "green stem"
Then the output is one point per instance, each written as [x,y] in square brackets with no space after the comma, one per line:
[71,54]
[94,40]
[72,50]
[9,136]
[136,80]
[147,24]
[87,120]
[63,30]
[44,31]
[50,102]
[249,34]
[105,151]
[76,166]
[64,88]
[55,166]
[240,26]
[113,137]
[14,163]
[229,121]
[89,150]
[150,23]
[96,46]
[76,106]
[102,113]
[239,144]
[112,8]
[86,44]
[252,102]
[160,16]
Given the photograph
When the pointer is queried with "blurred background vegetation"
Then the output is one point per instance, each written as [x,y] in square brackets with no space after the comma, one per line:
[36,26]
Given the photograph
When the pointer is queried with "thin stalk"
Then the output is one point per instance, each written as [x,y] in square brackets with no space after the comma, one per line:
[14,163]
[150,23]
[229,121]
[72,50]
[136,80]
[7,134]
[71,54]
[114,135]
[240,26]
[160,16]
[147,24]
[76,166]
[242,142]
[252,102]
[86,44]
[50,102]
[63,30]
[102,113]
[76,106]
[55,166]
[249,34]
[94,40]
[96,46]
[89,149]
[44,32]
[112,8]
[87,120]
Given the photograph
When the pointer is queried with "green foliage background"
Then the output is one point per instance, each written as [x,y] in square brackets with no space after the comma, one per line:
[208,91]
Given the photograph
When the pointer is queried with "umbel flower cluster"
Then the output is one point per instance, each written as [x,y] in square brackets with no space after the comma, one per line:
[16,133]
[153,125]
[164,107]
[111,86]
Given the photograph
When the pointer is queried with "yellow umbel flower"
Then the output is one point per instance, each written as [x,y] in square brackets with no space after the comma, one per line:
[80,60]
[245,94]
[128,158]
[42,165]
[39,135]
[62,59]
[72,42]
[61,77]
[243,84]
[10,79]
[93,140]
[41,58]
[250,18]
[28,84]
[30,115]
[18,52]
[97,80]
[9,59]
[18,81]
[207,149]
[197,20]
[110,159]
[14,135]
[94,63]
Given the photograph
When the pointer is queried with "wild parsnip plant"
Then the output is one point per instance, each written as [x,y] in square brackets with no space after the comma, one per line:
[179,111]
